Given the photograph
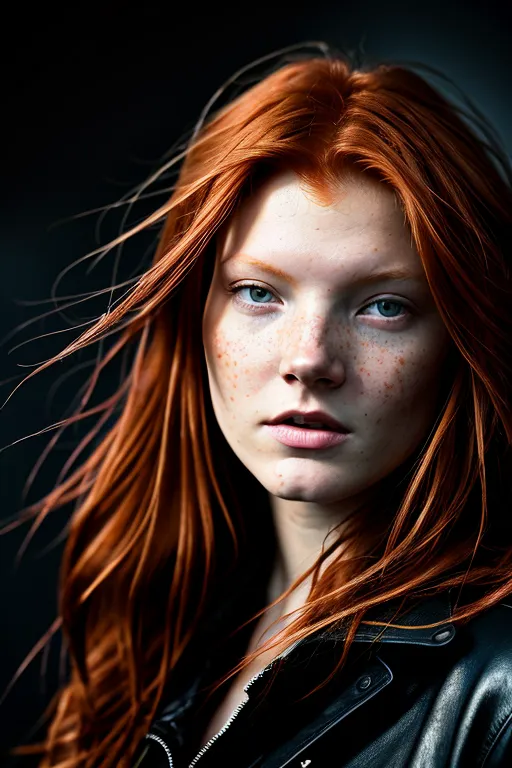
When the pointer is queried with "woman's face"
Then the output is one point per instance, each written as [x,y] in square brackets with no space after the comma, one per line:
[312,329]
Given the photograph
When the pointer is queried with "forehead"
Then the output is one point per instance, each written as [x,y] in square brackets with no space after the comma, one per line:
[285,215]
[287,188]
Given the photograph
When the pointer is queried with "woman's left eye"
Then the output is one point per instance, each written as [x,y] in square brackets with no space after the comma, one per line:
[386,303]
[258,298]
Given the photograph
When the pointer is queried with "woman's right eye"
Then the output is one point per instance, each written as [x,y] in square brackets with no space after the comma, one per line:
[256,295]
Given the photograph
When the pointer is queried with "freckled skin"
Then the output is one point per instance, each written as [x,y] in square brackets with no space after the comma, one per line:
[313,344]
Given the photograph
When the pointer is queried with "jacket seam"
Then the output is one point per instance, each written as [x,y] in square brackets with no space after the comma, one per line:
[498,736]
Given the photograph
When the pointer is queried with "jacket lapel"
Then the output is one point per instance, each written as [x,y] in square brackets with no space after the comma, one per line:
[368,676]
[356,690]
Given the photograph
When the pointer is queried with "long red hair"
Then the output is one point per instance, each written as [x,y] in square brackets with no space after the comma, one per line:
[159,496]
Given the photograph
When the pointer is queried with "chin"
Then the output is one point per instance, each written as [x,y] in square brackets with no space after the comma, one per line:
[315,490]
[310,498]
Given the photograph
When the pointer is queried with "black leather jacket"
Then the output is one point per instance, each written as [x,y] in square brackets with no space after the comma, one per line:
[423,698]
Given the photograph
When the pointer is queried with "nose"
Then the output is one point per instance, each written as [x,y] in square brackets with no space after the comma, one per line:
[312,353]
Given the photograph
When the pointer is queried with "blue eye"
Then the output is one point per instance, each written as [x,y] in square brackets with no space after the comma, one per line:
[389,303]
[255,296]
[255,292]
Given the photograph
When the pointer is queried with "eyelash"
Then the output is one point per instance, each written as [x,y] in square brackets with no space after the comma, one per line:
[235,290]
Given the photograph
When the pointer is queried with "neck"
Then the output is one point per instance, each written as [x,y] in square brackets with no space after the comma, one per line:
[303,531]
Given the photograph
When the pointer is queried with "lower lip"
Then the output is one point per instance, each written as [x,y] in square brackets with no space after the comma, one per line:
[302,437]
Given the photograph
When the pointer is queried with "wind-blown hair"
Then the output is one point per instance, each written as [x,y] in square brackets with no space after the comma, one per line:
[159,525]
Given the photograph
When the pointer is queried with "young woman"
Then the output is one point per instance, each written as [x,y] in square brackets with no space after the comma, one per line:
[293,544]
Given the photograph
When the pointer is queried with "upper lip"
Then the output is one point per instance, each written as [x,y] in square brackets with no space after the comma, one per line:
[322,416]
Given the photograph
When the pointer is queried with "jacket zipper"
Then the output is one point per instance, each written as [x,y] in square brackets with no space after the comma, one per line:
[228,722]
[235,713]
[238,709]
[162,743]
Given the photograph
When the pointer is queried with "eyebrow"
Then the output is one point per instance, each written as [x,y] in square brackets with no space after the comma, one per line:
[376,276]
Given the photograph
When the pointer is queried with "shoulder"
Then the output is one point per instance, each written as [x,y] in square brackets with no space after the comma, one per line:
[483,649]
[485,667]
[490,634]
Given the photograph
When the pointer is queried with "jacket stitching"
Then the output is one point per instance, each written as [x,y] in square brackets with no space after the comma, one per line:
[498,736]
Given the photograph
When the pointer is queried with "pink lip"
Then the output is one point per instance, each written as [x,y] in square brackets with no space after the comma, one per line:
[302,437]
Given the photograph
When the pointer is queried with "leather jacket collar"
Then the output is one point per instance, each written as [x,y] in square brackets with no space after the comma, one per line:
[408,627]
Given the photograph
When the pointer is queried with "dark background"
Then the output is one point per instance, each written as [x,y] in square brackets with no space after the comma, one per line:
[92,96]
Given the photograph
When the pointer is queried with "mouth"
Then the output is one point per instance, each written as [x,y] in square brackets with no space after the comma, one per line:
[311,420]
[306,436]
[314,425]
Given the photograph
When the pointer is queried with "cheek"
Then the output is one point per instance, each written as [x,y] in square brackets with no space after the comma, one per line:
[383,374]
[237,362]
[403,382]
